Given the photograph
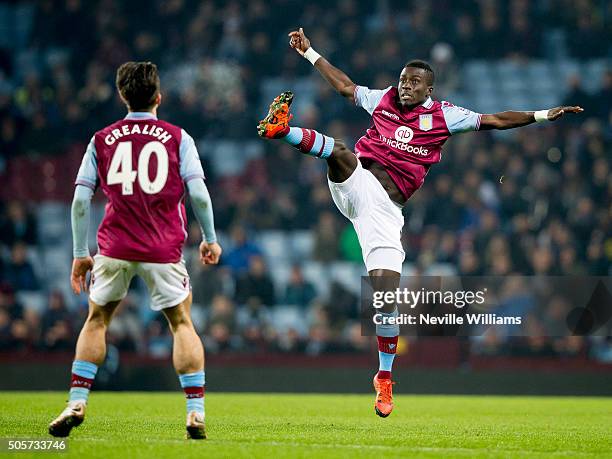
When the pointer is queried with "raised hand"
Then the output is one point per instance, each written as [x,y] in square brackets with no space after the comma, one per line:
[558,112]
[299,41]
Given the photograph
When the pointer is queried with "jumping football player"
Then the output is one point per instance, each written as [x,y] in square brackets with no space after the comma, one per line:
[143,165]
[390,163]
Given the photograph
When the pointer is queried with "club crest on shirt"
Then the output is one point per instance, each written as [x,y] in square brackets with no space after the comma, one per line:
[425,122]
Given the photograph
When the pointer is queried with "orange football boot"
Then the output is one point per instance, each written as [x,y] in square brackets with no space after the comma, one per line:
[276,124]
[384,396]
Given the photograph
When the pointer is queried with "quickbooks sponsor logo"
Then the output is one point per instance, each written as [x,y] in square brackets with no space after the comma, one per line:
[404,134]
[403,146]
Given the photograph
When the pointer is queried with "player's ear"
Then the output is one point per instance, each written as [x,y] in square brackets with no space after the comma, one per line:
[429,90]
[123,99]
[158,99]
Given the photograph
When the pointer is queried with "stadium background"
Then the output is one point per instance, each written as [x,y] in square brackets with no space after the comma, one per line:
[285,297]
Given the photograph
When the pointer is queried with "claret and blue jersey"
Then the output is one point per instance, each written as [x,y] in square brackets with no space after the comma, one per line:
[408,141]
[142,165]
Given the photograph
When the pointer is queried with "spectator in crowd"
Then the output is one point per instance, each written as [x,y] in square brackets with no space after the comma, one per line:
[18,225]
[221,326]
[299,291]
[255,286]
[19,272]
[326,238]
[57,330]
[238,257]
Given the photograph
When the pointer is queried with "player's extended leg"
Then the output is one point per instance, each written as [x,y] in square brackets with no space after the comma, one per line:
[188,359]
[341,162]
[385,280]
[90,353]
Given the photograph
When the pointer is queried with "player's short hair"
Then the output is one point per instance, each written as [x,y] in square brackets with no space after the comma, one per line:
[425,66]
[138,84]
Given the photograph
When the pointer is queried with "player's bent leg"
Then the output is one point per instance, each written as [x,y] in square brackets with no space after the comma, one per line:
[188,359]
[276,126]
[385,280]
[340,160]
[90,353]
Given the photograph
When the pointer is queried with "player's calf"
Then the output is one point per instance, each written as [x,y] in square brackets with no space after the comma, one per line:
[188,360]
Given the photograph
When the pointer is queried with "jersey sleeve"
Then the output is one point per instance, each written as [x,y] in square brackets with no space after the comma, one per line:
[190,165]
[88,172]
[368,98]
[459,119]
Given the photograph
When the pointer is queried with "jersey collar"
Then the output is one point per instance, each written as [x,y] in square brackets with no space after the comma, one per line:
[428,102]
[140,116]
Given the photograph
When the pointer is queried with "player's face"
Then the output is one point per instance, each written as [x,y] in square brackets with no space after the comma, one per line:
[413,86]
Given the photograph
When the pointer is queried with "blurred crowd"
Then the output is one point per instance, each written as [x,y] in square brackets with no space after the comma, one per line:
[533,201]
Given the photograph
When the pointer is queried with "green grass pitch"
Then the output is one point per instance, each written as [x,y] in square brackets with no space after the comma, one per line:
[151,425]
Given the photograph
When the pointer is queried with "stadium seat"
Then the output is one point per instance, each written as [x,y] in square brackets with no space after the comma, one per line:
[301,243]
[348,274]
[274,245]
[280,271]
[53,224]
[317,273]
[35,301]
[284,317]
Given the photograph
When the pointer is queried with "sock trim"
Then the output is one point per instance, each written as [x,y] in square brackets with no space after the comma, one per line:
[84,369]
[386,344]
[322,148]
[308,140]
[194,392]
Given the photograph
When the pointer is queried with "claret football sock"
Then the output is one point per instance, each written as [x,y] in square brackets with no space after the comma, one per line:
[193,386]
[387,336]
[83,375]
[310,142]
[387,346]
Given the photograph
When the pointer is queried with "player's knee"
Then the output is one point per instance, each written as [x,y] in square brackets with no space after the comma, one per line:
[340,148]
[97,319]
[178,320]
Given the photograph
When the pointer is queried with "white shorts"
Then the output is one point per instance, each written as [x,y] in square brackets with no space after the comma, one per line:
[378,221]
[168,283]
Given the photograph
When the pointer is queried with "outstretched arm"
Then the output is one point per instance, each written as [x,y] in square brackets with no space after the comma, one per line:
[510,120]
[334,76]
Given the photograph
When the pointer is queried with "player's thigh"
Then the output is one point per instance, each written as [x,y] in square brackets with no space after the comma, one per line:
[341,163]
[350,196]
[168,283]
[380,235]
[110,280]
